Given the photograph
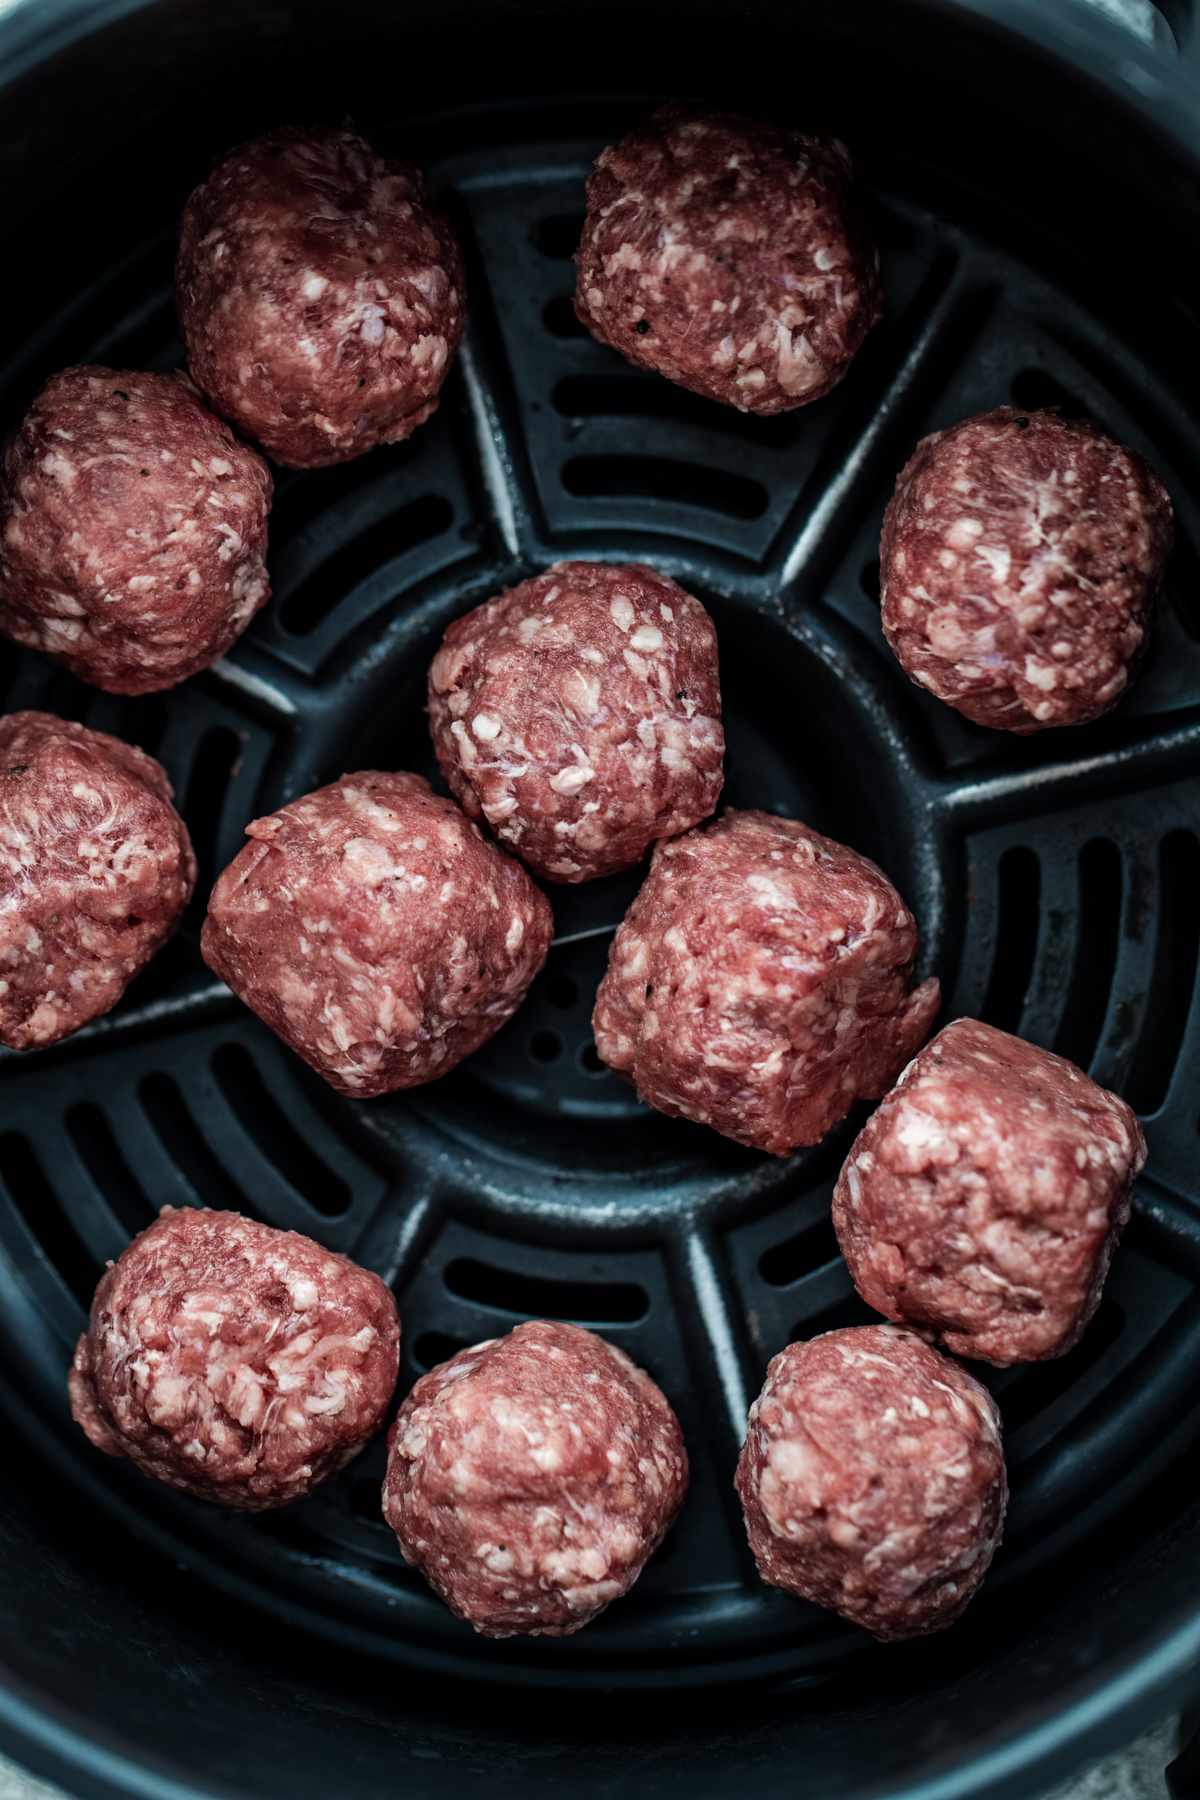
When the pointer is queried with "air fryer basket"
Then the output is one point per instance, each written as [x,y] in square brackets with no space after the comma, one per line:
[1034,219]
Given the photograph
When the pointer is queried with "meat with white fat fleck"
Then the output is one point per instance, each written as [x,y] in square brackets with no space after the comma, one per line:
[133,529]
[872,1480]
[730,255]
[984,1198]
[760,982]
[238,1363]
[96,868]
[580,715]
[377,931]
[320,296]
[1021,557]
[532,1477]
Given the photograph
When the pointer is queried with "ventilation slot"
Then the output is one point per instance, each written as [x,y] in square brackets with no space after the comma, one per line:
[655,478]
[333,579]
[1020,880]
[558,236]
[212,771]
[1035,389]
[366,1503]
[10,657]
[1095,952]
[180,1137]
[143,722]
[262,1118]
[800,1255]
[562,321]
[839,1317]
[1176,944]
[434,1347]
[628,397]
[1183,583]
[1038,1387]
[146,339]
[98,1151]
[39,1206]
[301,498]
[586,1302]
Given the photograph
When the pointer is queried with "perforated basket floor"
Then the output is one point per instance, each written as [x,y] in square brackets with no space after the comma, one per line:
[1054,881]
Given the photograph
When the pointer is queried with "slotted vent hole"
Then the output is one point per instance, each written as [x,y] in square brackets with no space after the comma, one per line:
[658,478]
[1176,944]
[1040,1384]
[301,497]
[634,397]
[1020,889]
[143,722]
[211,774]
[839,1317]
[333,579]
[263,1119]
[1037,388]
[1095,952]
[42,1211]
[183,1142]
[558,235]
[536,1296]
[434,1347]
[561,320]
[545,1046]
[147,338]
[101,1156]
[589,1061]
[366,1502]
[810,1249]
[1183,582]
[10,657]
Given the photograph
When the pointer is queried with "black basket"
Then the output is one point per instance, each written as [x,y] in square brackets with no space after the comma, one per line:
[1034,196]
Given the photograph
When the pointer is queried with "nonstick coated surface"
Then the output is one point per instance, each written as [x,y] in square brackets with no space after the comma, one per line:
[1054,881]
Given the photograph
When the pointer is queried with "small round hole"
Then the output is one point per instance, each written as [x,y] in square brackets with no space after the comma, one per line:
[589,1061]
[545,1046]
[561,991]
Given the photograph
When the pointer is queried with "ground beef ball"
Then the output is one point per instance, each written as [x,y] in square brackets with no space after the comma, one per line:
[729,255]
[133,527]
[531,1478]
[1020,561]
[985,1197]
[760,982]
[377,931]
[320,296]
[241,1364]
[872,1480]
[96,868]
[580,715]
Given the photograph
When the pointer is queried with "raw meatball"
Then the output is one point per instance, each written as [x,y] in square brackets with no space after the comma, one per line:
[133,527]
[1019,565]
[96,868]
[531,1478]
[729,255]
[986,1195]
[872,1480]
[241,1364]
[377,931]
[580,715]
[760,982]
[320,296]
